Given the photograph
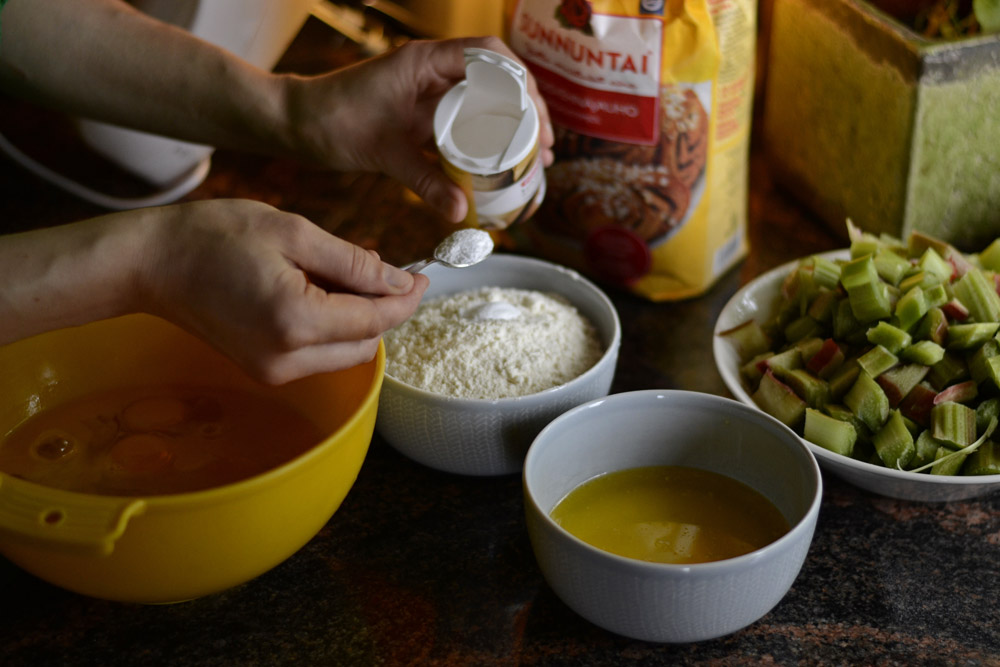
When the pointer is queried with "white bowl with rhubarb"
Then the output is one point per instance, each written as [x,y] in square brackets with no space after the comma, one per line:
[884,357]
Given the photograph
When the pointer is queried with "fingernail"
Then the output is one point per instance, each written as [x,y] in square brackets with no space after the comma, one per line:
[399,279]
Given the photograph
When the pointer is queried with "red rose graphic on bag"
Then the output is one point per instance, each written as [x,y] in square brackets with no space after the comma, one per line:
[575,14]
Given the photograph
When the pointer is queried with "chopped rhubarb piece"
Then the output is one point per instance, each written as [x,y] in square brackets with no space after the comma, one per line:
[951,369]
[980,367]
[925,352]
[953,423]
[790,286]
[984,461]
[979,295]
[813,390]
[827,360]
[989,258]
[919,242]
[917,404]
[890,266]
[969,336]
[899,381]
[955,310]
[782,362]
[870,302]
[868,402]
[826,272]
[845,325]
[893,442]
[801,328]
[830,433]
[877,361]
[986,411]
[778,400]
[959,263]
[753,370]
[947,462]
[958,393]
[749,338]
[844,378]
[936,296]
[932,263]
[925,449]
[891,338]
[933,327]
[823,306]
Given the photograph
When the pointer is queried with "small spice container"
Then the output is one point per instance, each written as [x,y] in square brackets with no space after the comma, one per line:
[486,130]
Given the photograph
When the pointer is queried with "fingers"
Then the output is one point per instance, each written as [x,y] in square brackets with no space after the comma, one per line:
[546,135]
[343,330]
[342,266]
[280,296]
[316,359]
[336,291]
[332,317]
[411,167]
[445,61]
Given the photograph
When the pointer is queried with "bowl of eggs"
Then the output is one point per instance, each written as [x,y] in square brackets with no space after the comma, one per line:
[494,353]
[670,516]
[138,464]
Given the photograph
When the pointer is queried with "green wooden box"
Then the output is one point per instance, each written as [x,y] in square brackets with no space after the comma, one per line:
[863,118]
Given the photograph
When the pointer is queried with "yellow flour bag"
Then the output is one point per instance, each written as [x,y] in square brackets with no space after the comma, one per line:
[651,103]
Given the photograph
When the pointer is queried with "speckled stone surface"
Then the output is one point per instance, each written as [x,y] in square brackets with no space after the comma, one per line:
[424,568]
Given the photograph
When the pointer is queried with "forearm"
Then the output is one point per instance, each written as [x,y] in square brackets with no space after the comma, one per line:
[104,60]
[66,276]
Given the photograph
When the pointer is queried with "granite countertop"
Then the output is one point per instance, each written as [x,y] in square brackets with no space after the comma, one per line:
[423,567]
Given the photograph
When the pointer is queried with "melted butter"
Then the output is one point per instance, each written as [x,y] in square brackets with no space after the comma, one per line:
[670,514]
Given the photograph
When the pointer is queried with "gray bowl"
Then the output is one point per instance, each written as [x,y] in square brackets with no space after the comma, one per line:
[665,602]
[490,437]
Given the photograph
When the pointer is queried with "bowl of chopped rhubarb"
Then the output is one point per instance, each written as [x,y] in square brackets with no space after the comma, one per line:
[884,357]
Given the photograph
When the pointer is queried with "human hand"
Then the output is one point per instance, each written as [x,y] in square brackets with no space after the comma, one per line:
[378,115]
[271,290]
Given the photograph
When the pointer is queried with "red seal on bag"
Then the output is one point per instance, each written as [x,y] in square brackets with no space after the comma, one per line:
[617,254]
[575,14]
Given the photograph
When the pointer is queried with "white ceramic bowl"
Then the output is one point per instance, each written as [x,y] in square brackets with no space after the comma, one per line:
[759,299]
[490,437]
[656,601]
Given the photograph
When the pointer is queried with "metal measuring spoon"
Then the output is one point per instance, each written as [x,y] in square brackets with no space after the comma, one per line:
[458,250]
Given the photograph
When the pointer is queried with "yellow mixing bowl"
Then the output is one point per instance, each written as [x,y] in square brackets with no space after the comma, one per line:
[176,547]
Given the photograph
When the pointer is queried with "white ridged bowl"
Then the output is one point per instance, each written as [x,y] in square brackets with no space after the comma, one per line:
[760,299]
[661,602]
[490,437]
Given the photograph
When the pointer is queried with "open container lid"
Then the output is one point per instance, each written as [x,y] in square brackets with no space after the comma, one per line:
[487,123]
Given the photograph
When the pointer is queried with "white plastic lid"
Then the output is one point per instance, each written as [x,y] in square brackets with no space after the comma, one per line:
[487,123]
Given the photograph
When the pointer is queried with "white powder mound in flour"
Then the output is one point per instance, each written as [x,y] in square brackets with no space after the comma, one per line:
[492,343]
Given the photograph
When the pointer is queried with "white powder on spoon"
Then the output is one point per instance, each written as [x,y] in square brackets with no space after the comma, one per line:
[492,343]
[465,247]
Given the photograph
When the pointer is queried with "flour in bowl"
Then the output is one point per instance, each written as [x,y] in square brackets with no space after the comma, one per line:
[491,343]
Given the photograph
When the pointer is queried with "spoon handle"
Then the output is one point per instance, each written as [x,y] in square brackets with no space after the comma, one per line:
[419,266]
